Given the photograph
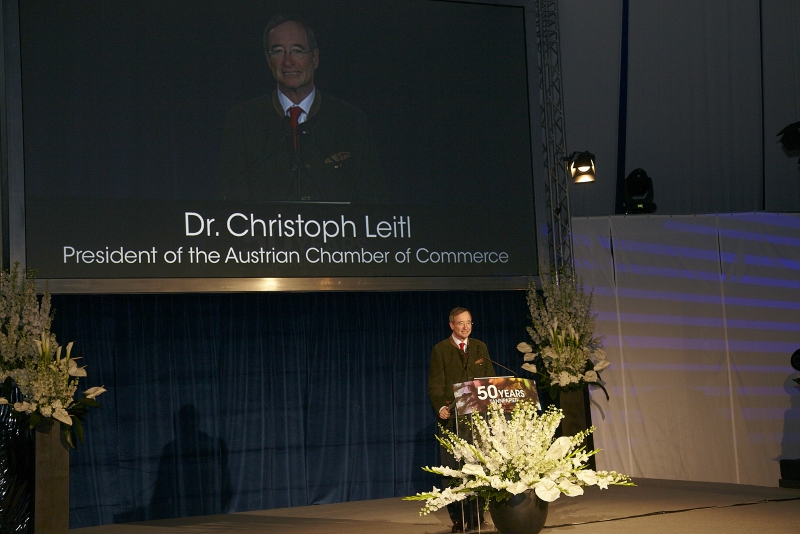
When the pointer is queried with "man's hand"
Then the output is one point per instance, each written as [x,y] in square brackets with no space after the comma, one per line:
[444,412]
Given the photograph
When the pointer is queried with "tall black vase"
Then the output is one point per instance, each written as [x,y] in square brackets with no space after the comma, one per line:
[577,416]
[17,461]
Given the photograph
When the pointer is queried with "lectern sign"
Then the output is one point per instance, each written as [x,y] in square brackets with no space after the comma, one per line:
[476,395]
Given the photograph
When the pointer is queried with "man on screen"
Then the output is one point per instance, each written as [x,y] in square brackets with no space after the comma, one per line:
[457,359]
[297,144]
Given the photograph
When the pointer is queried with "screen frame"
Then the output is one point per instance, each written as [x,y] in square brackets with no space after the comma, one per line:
[13,197]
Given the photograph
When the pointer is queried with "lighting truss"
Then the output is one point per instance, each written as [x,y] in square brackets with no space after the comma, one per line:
[559,236]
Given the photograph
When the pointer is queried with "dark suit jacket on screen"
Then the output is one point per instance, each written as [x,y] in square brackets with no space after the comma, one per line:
[447,368]
[336,160]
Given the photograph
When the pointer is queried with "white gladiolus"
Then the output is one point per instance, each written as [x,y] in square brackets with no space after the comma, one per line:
[587,476]
[563,332]
[513,456]
[45,373]
[472,469]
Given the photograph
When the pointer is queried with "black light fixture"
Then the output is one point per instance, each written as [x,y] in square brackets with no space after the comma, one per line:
[581,167]
[790,140]
[795,361]
[639,193]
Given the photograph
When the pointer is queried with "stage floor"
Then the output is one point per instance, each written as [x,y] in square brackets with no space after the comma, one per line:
[654,506]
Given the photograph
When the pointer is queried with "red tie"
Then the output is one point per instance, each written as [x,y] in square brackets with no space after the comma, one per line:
[294,114]
[463,352]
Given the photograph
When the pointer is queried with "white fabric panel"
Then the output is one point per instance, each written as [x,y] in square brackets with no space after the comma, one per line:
[781,41]
[694,103]
[590,61]
[761,268]
[708,313]
[670,311]
[594,263]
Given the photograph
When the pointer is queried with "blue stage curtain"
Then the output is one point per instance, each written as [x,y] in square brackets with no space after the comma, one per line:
[233,402]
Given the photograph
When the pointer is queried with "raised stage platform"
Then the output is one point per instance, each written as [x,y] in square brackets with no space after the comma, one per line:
[654,506]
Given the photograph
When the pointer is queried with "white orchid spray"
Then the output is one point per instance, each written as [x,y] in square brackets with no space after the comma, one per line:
[48,385]
[32,369]
[516,454]
[565,354]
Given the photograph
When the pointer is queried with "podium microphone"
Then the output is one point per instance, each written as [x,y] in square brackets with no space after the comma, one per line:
[503,366]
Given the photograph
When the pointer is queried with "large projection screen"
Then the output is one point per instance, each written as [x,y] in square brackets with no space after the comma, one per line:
[153,158]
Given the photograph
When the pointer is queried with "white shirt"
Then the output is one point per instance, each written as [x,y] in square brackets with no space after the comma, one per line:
[458,342]
[305,104]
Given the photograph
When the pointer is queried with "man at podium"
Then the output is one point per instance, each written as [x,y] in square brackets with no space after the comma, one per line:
[457,359]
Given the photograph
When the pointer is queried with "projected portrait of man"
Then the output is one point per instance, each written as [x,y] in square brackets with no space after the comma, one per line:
[297,144]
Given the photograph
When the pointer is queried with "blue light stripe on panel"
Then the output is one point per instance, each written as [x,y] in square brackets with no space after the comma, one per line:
[701,299]
[772,219]
[679,343]
[764,261]
[763,281]
[760,391]
[668,272]
[694,367]
[697,321]
[702,254]
[672,224]
[684,343]
[668,250]
[710,391]
[762,346]
[777,369]
[732,234]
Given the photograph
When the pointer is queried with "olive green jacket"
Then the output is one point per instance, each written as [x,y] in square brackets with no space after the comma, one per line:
[447,368]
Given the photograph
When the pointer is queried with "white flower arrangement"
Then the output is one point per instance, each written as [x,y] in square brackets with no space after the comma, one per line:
[516,454]
[31,360]
[23,318]
[569,357]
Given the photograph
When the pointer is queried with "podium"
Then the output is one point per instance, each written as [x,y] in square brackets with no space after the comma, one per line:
[474,397]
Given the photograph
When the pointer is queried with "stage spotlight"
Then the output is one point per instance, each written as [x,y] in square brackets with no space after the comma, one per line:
[581,167]
[790,140]
[639,193]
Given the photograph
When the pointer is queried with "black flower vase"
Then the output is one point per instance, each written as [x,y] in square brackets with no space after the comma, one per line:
[524,513]
[16,470]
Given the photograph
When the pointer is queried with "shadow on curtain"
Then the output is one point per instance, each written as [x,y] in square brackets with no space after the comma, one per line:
[226,403]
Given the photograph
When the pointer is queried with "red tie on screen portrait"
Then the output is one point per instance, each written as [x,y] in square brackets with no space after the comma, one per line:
[294,114]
